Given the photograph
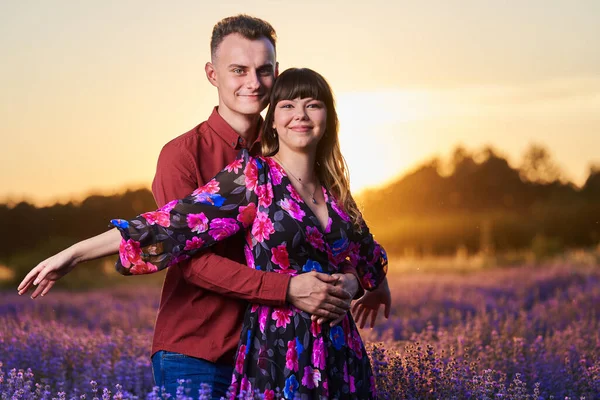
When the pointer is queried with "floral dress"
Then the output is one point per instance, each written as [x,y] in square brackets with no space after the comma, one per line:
[280,348]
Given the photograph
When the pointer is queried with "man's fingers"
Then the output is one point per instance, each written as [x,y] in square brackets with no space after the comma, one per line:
[324,277]
[364,319]
[338,292]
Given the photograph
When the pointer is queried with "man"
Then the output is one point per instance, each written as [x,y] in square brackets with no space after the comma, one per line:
[204,299]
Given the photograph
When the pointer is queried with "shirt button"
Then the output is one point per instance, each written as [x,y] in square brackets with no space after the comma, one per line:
[233,143]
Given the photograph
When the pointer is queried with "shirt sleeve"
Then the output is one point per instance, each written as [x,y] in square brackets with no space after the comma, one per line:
[176,177]
[372,262]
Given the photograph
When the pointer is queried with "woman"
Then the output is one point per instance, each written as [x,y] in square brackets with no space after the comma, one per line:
[295,208]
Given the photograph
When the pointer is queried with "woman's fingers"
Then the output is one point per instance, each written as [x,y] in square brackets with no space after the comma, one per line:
[26,282]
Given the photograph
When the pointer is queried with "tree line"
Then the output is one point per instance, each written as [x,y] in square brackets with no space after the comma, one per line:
[476,201]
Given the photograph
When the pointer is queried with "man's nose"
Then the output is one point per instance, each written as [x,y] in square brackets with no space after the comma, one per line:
[253,81]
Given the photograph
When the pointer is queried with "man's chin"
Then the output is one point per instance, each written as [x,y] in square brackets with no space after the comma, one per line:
[251,109]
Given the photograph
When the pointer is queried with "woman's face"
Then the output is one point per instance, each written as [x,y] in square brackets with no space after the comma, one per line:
[300,123]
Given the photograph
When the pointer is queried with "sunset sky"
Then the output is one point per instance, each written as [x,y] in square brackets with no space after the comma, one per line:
[91,90]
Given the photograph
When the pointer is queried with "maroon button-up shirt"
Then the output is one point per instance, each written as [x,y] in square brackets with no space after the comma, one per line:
[204,299]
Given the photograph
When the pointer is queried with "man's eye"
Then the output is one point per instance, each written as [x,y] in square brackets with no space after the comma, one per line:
[266,72]
[238,71]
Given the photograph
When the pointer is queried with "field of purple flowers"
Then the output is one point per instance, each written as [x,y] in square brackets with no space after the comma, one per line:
[519,333]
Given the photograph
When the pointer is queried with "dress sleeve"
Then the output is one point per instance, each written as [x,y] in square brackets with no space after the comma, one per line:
[175,232]
[371,262]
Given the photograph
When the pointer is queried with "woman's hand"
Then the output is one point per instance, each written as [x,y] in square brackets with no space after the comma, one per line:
[367,307]
[46,273]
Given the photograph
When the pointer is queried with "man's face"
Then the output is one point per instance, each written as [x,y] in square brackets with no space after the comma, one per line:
[243,71]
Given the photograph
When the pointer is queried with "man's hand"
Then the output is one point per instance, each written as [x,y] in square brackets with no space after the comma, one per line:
[46,273]
[315,293]
[350,284]
[368,306]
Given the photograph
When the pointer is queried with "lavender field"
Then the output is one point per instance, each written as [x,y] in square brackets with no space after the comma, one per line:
[519,333]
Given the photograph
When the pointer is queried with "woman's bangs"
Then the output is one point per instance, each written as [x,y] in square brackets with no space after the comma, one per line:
[299,84]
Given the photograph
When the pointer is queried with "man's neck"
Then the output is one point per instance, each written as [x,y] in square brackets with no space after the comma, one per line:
[245,125]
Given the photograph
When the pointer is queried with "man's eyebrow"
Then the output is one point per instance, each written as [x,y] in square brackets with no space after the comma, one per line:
[266,66]
[237,66]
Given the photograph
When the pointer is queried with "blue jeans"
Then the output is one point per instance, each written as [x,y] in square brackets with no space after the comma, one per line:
[169,367]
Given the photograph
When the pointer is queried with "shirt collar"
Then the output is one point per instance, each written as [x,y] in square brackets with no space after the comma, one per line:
[226,132]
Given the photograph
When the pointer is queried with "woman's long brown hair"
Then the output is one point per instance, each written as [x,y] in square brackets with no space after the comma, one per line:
[331,167]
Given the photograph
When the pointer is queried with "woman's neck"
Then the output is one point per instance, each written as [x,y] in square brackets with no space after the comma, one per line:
[301,165]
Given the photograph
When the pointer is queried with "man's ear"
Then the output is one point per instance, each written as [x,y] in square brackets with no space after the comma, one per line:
[276,69]
[211,73]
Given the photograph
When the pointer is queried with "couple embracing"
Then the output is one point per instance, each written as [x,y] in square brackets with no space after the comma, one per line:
[263,243]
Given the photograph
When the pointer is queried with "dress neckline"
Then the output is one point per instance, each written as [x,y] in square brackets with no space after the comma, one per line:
[326,196]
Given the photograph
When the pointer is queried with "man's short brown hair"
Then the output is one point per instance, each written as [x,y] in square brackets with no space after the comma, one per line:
[249,27]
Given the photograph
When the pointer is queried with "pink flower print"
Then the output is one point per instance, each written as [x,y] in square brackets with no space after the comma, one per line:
[291,356]
[339,211]
[157,217]
[130,252]
[197,222]
[251,175]
[293,193]
[249,257]
[143,268]
[311,377]
[211,187]
[315,328]
[234,166]
[325,387]
[245,385]
[328,227]
[325,196]
[274,171]
[345,372]
[269,394]
[352,387]
[265,194]
[254,308]
[247,214]
[169,206]
[292,208]
[221,228]
[318,354]
[280,256]
[367,280]
[315,238]
[282,316]
[262,227]
[239,360]
[353,253]
[355,343]
[178,259]
[263,314]
[195,243]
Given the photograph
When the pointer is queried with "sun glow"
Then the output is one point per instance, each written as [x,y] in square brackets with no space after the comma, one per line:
[371,133]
